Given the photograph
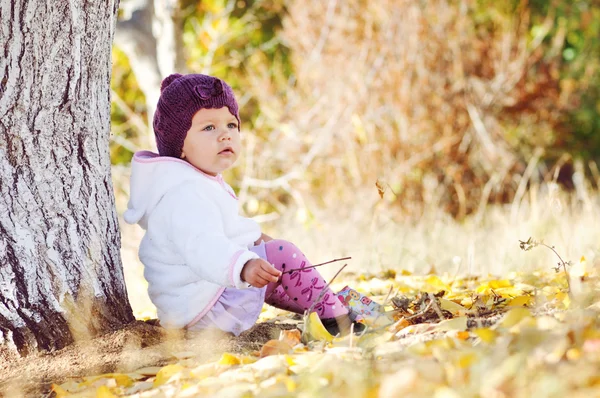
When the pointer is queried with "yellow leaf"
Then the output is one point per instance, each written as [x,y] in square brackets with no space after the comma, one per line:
[229,359]
[454,308]
[573,354]
[247,359]
[104,392]
[59,391]
[500,283]
[466,302]
[149,371]
[486,335]
[567,301]
[520,301]
[290,384]
[289,359]
[485,288]
[436,284]
[514,316]
[314,329]
[508,292]
[466,360]
[166,373]
[459,323]
[123,380]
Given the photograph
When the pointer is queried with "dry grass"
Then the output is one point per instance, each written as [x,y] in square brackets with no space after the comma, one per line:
[447,107]
[376,240]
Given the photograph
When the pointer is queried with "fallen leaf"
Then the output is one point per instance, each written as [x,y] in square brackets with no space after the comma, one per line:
[520,301]
[275,347]
[399,325]
[514,316]
[451,306]
[486,335]
[59,391]
[459,323]
[434,284]
[104,392]
[166,373]
[149,370]
[229,359]
[292,337]
[314,329]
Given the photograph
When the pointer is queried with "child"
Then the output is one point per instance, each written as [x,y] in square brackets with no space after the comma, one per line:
[207,266]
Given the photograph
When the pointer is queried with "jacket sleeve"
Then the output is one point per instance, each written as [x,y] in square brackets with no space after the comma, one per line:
[197,233]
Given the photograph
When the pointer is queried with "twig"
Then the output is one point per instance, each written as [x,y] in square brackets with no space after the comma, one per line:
[418,314]
[324,290]
[436,307]
[316,265]
[531,243]
[562,262]
[384,304]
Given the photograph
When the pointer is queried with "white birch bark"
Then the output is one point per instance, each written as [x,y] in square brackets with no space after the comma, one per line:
[61,276]
[150,34]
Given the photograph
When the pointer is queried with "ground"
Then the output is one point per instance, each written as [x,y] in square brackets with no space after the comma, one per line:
[534,333]
[140,344]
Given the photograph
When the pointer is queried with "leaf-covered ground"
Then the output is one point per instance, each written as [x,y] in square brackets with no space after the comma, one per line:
[520,336]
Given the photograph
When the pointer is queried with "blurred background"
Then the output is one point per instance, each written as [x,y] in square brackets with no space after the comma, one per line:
[428,136]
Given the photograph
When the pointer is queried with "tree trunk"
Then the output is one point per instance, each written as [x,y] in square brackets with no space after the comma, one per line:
[61,276]
[150,34]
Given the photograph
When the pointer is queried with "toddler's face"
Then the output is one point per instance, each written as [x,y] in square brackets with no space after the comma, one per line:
[212,143]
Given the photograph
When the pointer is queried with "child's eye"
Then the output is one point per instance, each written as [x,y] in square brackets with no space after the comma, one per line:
[210,127]
[232,125]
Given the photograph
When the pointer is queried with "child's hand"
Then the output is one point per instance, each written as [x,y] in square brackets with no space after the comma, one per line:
[259,273]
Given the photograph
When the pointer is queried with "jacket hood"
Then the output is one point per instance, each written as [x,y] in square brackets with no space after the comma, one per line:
[152,176]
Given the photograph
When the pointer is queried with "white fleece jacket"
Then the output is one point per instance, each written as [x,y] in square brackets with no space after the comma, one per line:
[196,243]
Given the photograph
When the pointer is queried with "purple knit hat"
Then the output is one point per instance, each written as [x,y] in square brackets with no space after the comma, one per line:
[181,96]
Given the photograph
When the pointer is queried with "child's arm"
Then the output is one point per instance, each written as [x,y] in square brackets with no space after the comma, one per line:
[196,230]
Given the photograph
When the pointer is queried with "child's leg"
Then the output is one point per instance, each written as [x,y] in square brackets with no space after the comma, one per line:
[298,290]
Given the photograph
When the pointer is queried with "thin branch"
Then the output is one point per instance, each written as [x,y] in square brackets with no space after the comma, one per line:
[435,306]
[312,307]
[316,265]
[383,305]
[562,262]
[418,314]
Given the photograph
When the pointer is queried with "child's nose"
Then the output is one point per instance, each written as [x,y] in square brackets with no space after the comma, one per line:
[225,136]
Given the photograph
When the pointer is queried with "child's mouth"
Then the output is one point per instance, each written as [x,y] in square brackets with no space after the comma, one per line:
[226,151]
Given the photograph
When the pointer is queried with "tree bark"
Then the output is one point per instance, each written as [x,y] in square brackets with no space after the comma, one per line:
[61,276]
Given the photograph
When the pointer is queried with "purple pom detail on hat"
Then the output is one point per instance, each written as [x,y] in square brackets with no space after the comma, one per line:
[181,97]
[207,90]
[168,80]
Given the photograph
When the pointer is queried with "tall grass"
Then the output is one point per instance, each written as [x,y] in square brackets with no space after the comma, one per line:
[455,108]
[445,102]
[482,244]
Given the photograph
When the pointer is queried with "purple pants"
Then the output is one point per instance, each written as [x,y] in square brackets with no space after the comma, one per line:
[296,291]
[238,309]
